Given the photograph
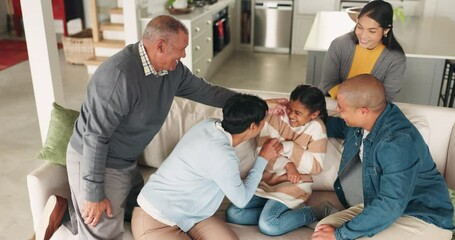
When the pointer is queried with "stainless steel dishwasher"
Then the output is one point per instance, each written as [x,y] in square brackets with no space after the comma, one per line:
[272,25]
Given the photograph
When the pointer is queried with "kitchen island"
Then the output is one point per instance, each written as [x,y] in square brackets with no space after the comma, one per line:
[427,42]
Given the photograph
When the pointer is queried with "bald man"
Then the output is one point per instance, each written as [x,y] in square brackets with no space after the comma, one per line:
[387,178]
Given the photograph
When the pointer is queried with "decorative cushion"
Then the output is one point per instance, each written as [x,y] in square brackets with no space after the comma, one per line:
[418,119]
[58,135]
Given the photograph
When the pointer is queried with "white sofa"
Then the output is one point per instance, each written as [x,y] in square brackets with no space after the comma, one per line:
[436,124]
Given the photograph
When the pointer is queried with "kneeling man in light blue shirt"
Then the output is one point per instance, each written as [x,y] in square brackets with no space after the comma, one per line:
[180,199]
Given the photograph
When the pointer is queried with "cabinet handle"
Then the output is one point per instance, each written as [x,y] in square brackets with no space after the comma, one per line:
[198,70]
[209,60]
[197,29]
[197,48]
[209,39]
[209,22]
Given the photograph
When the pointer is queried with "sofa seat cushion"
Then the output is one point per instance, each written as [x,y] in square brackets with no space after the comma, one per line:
[252,233]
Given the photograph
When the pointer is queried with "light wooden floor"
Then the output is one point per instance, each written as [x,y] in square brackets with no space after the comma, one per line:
[262,71]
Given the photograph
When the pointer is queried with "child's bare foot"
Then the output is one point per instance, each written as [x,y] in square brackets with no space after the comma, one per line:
[275,179]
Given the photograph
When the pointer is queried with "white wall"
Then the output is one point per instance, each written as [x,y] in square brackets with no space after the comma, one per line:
[410,7]
[155,6]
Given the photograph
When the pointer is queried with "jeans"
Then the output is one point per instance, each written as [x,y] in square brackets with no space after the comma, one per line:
[272,217]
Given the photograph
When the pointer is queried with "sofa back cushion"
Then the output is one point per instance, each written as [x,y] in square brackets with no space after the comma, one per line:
[441,122]
[182,116]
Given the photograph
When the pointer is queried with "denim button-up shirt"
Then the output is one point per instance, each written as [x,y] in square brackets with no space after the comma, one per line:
[399,175]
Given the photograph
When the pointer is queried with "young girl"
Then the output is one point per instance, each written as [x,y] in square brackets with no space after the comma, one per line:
[278,205]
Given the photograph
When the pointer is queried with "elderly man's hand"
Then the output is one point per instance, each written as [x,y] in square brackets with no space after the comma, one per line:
[324,232]
[277,106]
[93,211]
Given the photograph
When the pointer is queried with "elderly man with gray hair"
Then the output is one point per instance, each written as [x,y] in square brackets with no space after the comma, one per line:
[128,99]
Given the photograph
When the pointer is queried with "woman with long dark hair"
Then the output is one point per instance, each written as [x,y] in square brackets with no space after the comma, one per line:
[370,48]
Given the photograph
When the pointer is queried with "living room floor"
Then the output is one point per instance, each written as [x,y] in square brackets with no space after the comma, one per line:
[20,137]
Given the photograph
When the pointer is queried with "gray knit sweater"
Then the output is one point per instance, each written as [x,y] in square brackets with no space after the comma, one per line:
[389,67]
[124,109]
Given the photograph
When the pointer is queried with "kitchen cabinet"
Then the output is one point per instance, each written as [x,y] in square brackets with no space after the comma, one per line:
[302,25]
[422,81]
[201,45]
[243,20]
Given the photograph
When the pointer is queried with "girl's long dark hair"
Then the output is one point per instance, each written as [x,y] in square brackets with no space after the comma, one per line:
[312,98]
[382,12]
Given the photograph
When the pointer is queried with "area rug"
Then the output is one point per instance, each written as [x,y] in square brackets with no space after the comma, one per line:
[12,52]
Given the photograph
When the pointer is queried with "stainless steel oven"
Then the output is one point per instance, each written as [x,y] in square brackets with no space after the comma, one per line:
[221,30]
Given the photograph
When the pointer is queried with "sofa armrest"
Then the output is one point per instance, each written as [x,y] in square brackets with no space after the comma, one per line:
[450,166]
[43,182]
